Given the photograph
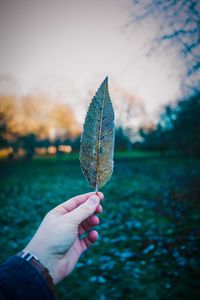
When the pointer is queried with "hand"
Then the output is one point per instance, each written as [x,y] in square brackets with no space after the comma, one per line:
[57,242]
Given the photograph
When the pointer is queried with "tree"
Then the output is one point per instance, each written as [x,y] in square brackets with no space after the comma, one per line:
[63,120]
[178,128]
[28,143]
[3,130]
[130,114]
[26,120]
[179,24]
[186,125]
[8,112]
[122,141]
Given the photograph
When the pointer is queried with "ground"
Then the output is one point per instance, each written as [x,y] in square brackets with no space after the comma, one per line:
[148,246]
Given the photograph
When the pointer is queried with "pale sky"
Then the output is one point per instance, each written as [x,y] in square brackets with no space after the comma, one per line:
[67,48]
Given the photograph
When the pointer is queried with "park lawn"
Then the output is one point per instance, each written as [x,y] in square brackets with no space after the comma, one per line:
[148,246]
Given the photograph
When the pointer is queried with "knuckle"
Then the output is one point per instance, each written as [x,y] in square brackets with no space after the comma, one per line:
[86,207]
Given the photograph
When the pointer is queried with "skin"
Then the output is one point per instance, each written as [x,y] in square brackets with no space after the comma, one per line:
[57,243]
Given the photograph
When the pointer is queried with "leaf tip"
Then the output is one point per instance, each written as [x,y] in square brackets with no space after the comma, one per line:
[106,80]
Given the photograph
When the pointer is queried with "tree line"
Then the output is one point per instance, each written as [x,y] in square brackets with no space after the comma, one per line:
[178,129]
[34,122]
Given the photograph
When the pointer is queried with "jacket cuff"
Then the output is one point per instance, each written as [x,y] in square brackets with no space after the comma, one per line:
[24,281]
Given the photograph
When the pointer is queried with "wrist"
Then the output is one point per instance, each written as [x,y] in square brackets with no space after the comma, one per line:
[34,262]
[43,255]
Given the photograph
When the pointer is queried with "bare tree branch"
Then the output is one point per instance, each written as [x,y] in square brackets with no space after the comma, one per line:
[179,25]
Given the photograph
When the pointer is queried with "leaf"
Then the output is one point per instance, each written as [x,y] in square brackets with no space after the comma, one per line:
[97,141]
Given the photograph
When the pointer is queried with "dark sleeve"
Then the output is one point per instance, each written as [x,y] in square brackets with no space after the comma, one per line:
[21,281]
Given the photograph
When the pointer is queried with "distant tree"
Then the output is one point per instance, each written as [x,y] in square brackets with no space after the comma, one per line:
[63,121]
[3,130]
[75,143]
[122,141]
[28,143]
[186,126]
[155,140]
[33,117]
[130,114]
[8,112]
[178,128]
[44,143]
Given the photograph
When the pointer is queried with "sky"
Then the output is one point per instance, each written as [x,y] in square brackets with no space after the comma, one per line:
[66,48]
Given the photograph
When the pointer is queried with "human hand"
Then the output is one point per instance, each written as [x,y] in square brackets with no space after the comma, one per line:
[57,242]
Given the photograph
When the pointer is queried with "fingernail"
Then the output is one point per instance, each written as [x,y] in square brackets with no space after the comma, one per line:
[93,200]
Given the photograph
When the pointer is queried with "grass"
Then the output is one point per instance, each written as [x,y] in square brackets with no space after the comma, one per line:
[149,233]
[118,155]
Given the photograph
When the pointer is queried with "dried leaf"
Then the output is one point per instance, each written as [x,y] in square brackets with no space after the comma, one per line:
[97,141]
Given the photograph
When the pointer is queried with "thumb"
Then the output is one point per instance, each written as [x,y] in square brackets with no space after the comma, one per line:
[84,210]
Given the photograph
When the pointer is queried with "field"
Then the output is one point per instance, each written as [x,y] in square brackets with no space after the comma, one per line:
[149,233]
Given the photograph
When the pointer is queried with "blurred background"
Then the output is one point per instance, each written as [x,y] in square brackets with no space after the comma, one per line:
[54,55]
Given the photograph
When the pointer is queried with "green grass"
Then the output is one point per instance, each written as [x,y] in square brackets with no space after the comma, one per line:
[118,155]
[149,233]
